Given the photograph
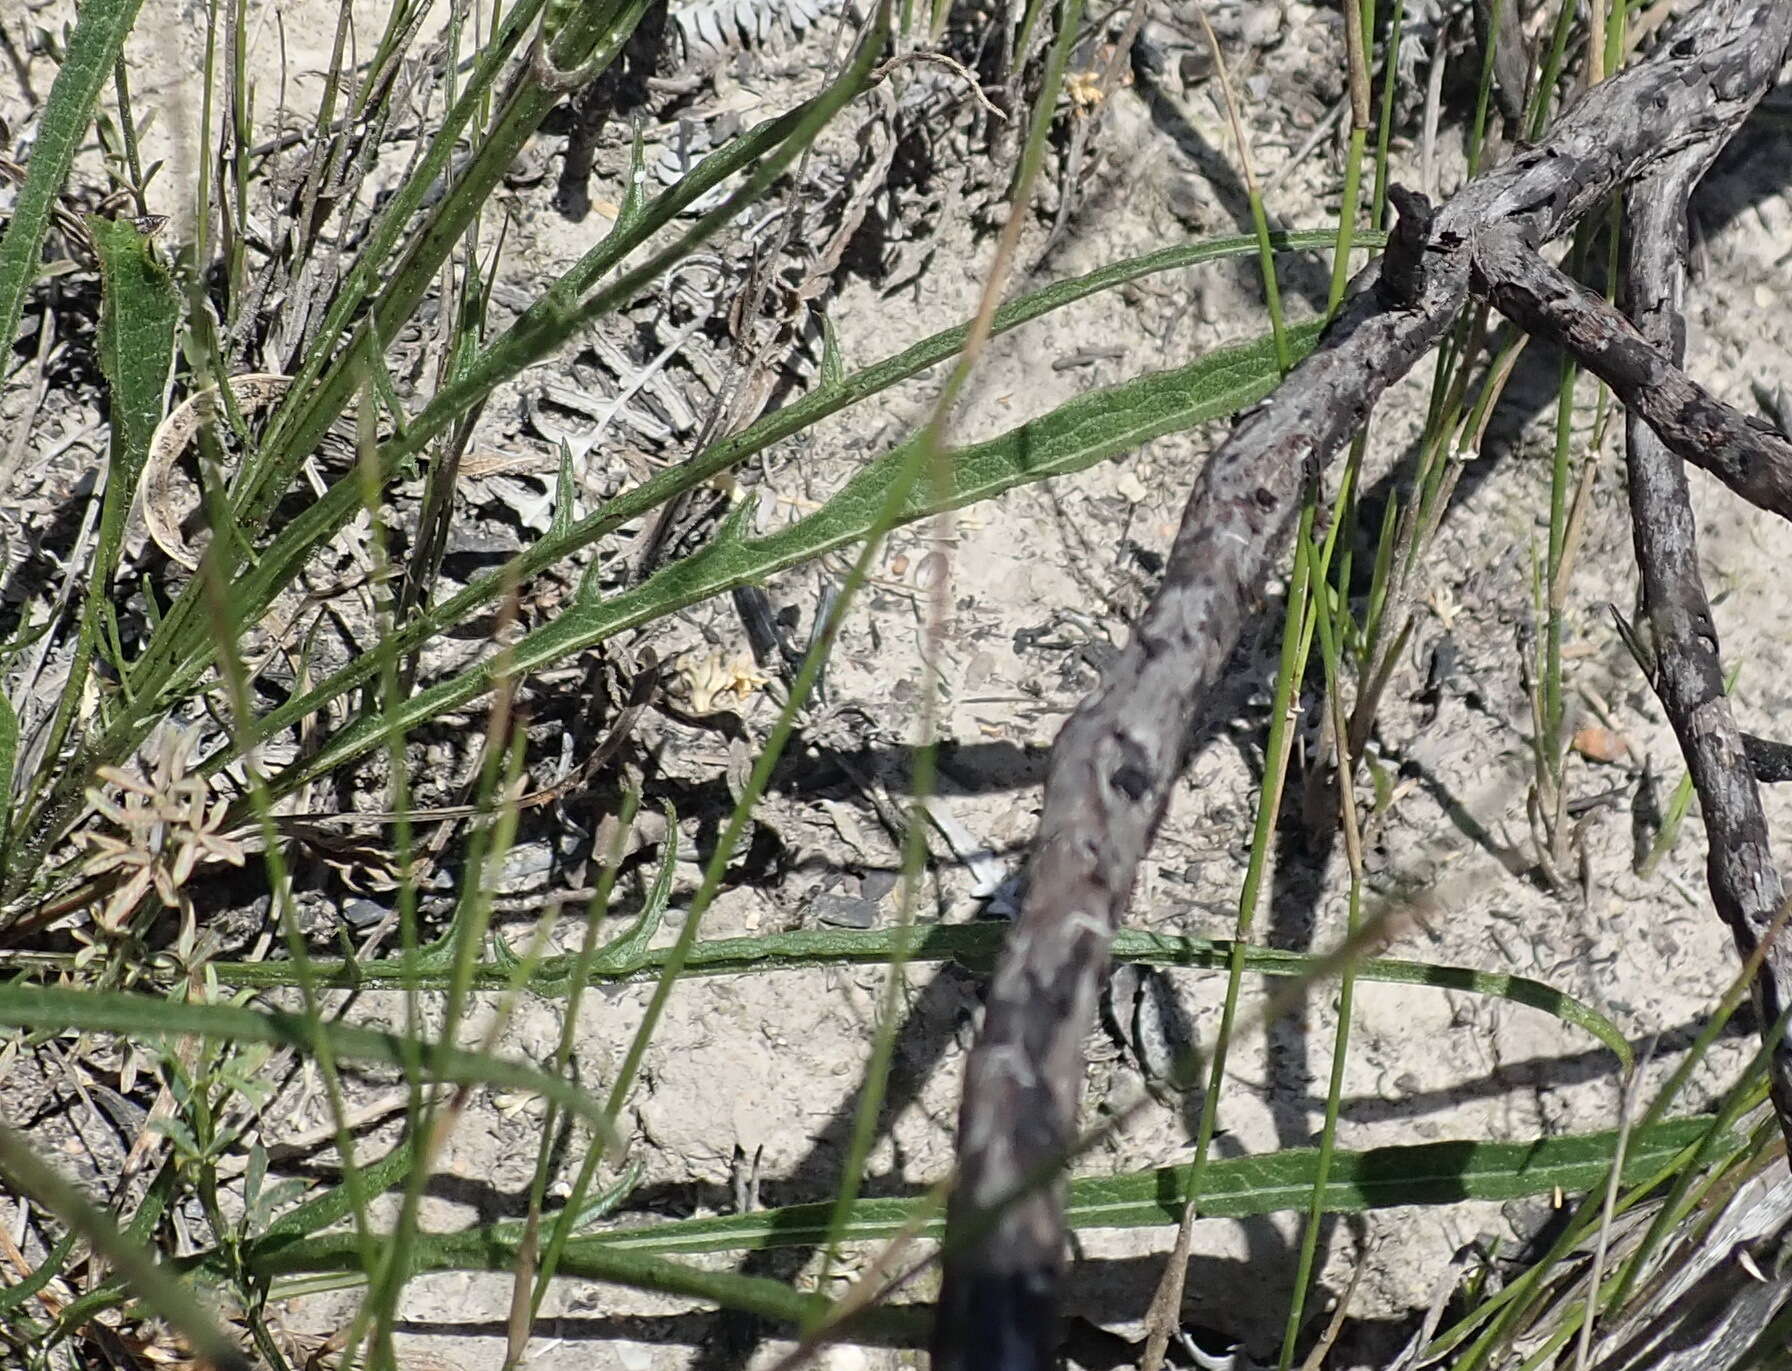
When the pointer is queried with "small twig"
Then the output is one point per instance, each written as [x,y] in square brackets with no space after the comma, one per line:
[951,64]
[1335,1325]
[1434,100]
[1230,100]
[1747,455]
[1628,1089]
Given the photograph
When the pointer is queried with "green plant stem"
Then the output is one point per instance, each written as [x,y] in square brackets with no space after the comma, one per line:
[1324,610]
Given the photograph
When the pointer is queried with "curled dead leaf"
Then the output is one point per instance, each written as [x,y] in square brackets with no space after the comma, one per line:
[252,392]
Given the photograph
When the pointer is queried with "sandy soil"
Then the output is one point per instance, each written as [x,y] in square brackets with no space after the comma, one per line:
[748,1090]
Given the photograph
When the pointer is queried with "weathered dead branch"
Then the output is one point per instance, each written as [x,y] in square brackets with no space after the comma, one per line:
[1119,754]
[1688,676]
[1750,458]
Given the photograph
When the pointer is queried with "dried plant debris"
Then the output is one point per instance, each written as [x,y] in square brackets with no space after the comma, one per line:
[711,31]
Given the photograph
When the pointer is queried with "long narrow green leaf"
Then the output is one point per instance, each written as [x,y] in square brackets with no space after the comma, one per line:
[494,1249]
[54,1009]
[1422,1174]
[1078,434]
[9,755]
[93,48]
[973,946]
[52,1266]
[27,1173]
[792,418]
[180,651]
[140,312]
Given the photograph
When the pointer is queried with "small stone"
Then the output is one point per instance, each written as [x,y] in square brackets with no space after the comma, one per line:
[844,911]
[1601,744]
[874,885]
[362,913]
[1261,26]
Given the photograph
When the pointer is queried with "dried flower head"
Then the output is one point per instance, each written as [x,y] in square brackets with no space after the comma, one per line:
[165,830]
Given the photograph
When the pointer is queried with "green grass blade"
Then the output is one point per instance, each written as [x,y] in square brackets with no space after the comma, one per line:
[792,418]
[633,942]
[52,1266]
[494,1249]
[26,1173]
[541,330]
[9,758]
[179,654]
[53,1009]
[973,946]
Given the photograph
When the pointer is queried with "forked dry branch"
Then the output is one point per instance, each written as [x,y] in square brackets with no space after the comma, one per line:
[1117,757]
[1750,458]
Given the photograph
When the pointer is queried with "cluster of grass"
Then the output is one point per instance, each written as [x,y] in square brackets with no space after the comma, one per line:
[88,878]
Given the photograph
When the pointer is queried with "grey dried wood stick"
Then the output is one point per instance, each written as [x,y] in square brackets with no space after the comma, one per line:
[1739,867]
[1116,758]
[1750,457]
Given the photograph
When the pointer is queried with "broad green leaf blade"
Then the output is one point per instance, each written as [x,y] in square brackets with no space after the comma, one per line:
[53,1009]
[1081,432]
[1422,1174]
[140,311]
[93,48]
[336,1202]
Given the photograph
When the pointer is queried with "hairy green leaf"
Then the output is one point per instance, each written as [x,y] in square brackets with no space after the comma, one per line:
[1078,434]
[782,423]
[1435,1173]
[93,48]
[140,310]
